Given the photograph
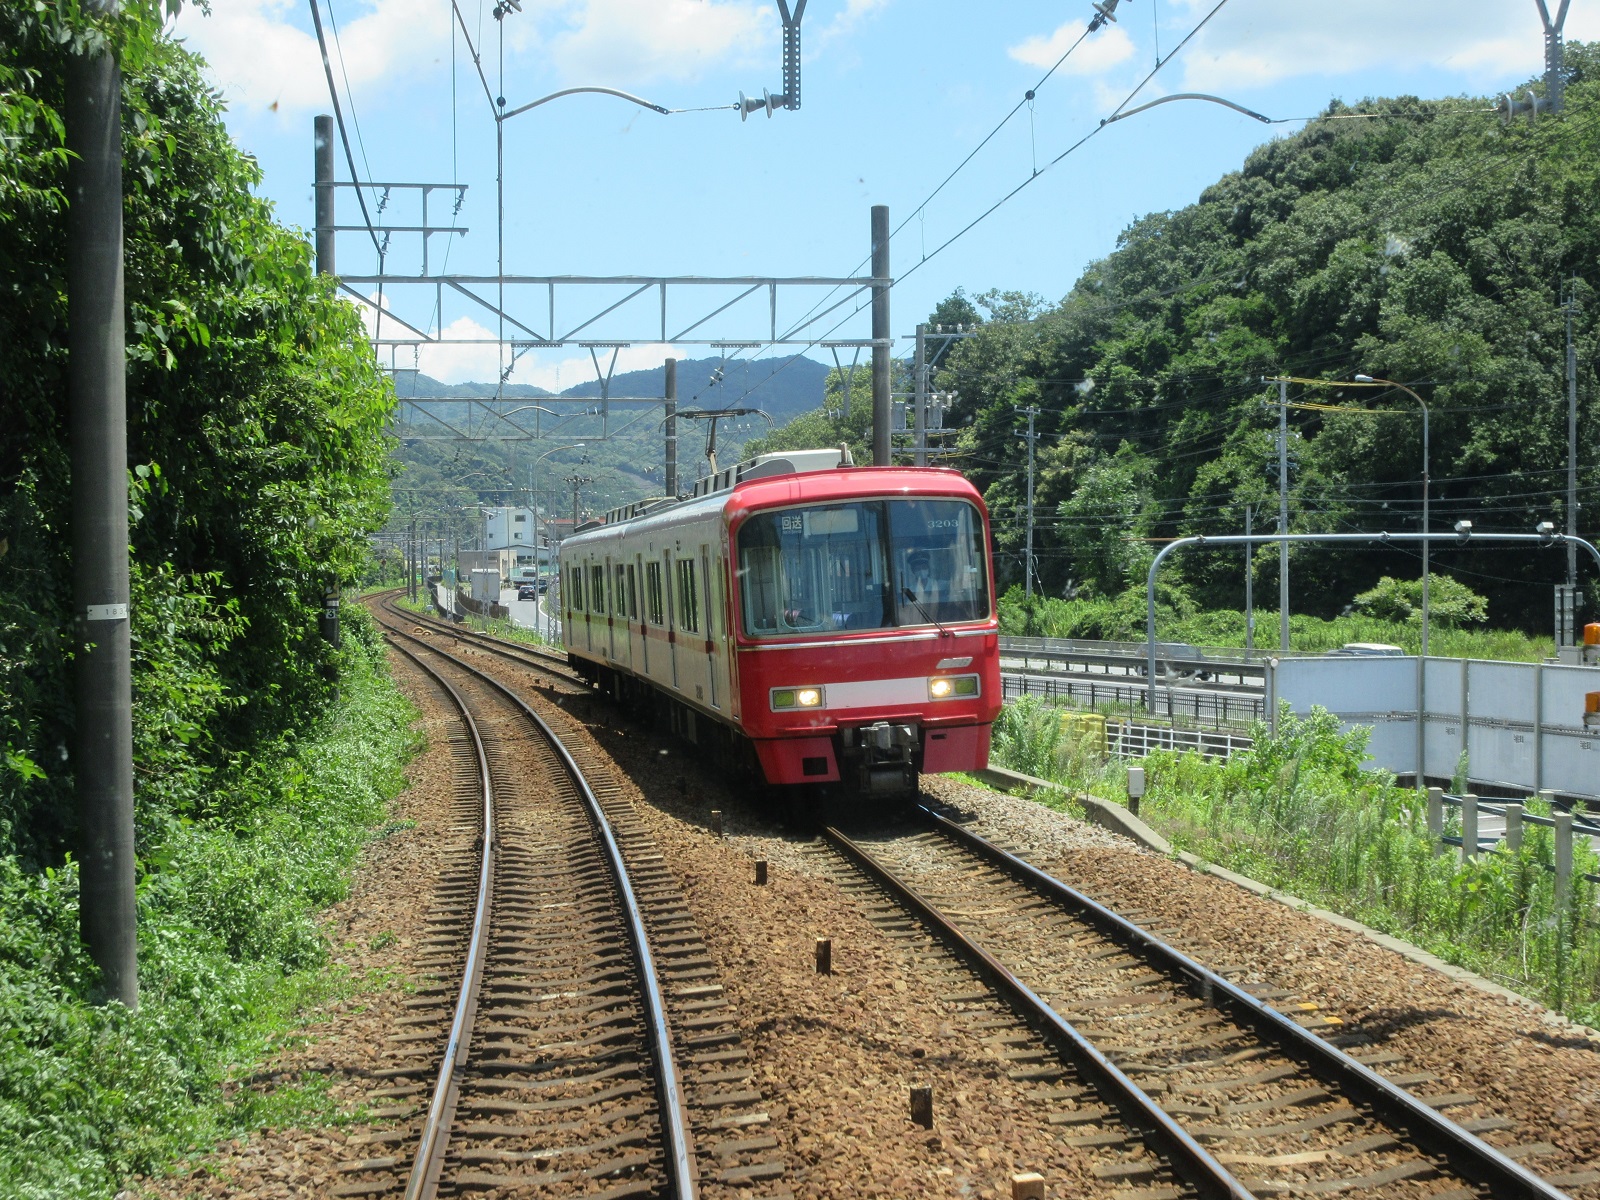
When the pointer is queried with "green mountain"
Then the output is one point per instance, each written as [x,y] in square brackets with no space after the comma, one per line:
[1425,242]
[453,457]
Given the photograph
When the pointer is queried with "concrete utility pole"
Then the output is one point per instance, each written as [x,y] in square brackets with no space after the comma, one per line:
[328,622]
[881,337]
[1249,584]
[919,419]
[1570,310]
[671,393]
[98,422]
[1030,412]
[323,142]
[577,483]
[1554,53]
[1283,514]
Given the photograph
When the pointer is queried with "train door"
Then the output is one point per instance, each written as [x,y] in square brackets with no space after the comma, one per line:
[671,614]
[613,609]
[728,674]
[597,602]
[638,654]
[710,635]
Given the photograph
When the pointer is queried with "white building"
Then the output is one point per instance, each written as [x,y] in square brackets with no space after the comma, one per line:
[518,539]
[511,529]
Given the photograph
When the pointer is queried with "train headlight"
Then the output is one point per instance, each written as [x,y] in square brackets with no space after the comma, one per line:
[952,687]
[801,697]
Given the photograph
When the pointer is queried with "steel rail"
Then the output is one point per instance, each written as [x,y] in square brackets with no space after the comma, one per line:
[1189,1159]
[555,660]
[1433,1132]
[681,1172]
[424,1181]
[501,647]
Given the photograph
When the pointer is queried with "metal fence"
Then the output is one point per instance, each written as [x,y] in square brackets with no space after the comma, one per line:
[1216,709]
[1126,739]
[1471,841]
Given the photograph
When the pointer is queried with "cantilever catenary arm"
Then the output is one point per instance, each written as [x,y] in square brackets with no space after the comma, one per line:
[1249,112]
[573,91]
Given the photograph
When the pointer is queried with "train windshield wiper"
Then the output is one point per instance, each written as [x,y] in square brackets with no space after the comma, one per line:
[927,616]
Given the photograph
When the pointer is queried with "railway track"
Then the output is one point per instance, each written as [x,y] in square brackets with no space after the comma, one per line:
[556,1064]
[562,971]
[1182,1082]
[1174,1080]
[549,663]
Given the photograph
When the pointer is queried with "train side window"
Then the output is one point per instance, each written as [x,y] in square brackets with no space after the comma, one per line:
[621,593]
[633,595]
[575,588]
[652,593]
[688,599]
[597,589]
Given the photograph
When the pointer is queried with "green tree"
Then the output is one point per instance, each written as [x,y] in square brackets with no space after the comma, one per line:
[256,419]
[1427,241]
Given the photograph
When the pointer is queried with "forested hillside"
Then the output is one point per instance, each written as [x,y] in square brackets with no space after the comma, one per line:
[258,446]
[1428,242]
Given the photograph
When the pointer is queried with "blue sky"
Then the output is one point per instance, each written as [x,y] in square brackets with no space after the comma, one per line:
[895,95]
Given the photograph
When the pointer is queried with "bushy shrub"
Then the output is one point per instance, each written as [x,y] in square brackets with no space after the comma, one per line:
[1450,602]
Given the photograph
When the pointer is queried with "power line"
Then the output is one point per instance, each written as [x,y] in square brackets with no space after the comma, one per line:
[1014,191]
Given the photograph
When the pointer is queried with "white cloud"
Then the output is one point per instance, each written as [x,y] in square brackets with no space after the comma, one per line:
[558,374]
[854,13]
[1256,42]
[262,61]
[1108,47]
[625,43]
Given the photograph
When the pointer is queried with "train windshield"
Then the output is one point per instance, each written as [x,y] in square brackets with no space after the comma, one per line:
[878,564]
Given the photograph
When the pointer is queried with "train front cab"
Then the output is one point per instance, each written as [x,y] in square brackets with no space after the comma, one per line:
[866,635]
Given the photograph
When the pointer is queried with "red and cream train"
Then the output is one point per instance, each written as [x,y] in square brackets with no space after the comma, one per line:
[818,621]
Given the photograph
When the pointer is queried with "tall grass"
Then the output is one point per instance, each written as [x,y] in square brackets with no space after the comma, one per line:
[230,949]
[1299,812]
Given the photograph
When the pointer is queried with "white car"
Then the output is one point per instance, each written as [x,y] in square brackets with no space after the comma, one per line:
[1369,650]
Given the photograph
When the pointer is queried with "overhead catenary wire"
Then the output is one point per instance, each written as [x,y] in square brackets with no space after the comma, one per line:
[918,212]
[993,208]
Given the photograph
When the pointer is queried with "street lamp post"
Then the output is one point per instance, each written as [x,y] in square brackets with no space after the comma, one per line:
[1370,381]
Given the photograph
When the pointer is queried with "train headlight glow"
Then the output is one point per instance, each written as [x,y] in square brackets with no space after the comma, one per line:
[951,687]
[801,697]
